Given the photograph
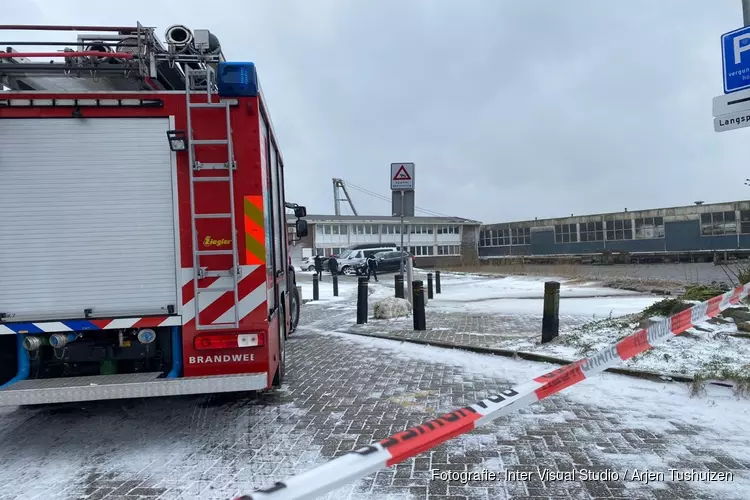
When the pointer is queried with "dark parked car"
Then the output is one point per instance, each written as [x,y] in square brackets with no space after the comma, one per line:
[390,261]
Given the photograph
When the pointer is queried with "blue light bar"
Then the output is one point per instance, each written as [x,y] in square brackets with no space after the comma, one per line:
[237,79]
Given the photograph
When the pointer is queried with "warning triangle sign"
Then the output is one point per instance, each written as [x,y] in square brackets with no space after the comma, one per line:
[402,175]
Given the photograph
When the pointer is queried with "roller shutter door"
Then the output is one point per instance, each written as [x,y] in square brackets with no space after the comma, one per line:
[86,218]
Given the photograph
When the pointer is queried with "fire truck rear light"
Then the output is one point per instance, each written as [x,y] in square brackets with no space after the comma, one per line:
[249,340]
[228,340]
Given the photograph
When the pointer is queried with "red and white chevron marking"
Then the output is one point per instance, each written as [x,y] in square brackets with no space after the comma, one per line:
[406,444]
[218,307]
[91,324]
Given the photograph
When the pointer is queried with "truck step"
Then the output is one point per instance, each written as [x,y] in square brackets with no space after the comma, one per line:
[214,252]
[213,216]
[210,142]
[133,385]
[221,105]
[211,179]
[217,326]
[210,166]
[217,274]
[216,289]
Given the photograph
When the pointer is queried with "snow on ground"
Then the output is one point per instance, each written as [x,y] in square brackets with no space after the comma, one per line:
[524,295]
[325,290]
[707,350]
[640,404]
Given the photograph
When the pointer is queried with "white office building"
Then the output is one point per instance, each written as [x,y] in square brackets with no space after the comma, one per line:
[433,240]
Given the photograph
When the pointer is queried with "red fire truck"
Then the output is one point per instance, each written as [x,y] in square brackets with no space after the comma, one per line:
[143,224]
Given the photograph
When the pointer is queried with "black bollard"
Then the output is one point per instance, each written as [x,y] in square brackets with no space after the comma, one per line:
[551,314]
[399,280]
[429,285]
[437,281]
[316,288]
[335,279]
[362,301]
[418,292]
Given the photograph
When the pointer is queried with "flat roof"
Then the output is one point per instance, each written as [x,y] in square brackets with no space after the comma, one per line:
[384,219]
[647,212]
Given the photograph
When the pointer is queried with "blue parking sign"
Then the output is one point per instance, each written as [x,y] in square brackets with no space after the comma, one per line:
[735,56]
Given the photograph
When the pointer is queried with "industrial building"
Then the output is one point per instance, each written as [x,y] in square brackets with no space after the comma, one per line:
[435,241]
[694,232]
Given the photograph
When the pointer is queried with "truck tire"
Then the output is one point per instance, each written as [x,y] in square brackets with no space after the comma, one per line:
[278,379]
[293,309]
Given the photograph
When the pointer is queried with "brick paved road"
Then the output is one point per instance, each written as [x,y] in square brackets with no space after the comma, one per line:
[341,393]
[496,330]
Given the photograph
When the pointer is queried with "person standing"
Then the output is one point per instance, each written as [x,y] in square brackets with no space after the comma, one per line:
[333,265]
[319,267]
[372,265]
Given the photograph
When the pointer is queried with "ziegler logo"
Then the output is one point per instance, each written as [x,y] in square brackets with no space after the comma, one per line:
[210,242]
[219,358]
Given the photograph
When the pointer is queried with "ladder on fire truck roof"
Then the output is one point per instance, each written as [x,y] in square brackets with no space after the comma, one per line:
[134,59]
[204,80]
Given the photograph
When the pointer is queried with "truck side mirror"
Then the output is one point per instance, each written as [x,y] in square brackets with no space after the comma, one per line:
[300,212]
[301,228]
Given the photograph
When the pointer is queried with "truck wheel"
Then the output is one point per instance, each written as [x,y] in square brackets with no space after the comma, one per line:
[293,309]
[278,379]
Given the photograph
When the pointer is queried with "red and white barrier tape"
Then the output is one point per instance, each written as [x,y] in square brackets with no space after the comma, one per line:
[364,461]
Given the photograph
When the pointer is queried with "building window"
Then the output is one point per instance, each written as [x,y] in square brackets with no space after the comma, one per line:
[718,223]
[649,228]
[566,233]
[422,250]
[618,230]
[591,231]
[371,229]
[519,236]
[447,230]
[449,250]
[420,229]
[335,229]
[745,221]
[344,228]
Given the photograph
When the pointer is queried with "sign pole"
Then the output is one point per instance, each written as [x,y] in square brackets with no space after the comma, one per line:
[401,249]
[402,181]
[746,12]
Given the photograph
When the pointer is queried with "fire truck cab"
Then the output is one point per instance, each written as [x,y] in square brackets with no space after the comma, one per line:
[143,227]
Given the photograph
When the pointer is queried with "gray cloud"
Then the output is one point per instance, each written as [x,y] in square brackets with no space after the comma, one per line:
[510,110]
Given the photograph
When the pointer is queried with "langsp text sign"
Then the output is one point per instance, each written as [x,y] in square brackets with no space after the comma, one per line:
[732,121]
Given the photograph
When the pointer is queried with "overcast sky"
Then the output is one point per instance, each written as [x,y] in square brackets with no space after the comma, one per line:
[510,109]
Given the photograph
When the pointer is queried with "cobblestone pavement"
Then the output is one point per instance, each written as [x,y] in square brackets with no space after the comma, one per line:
[341,393]
[499,331]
